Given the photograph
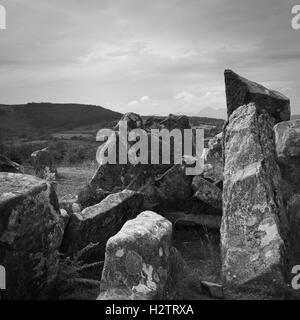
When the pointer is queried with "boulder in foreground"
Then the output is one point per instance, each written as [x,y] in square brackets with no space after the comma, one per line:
[31,230]
[137,260]
[254,224]
[96,224]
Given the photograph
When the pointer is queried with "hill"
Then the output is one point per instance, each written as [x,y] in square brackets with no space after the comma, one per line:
[295,116]
[34,119]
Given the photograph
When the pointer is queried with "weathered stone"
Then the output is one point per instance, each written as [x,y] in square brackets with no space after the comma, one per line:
[215,290]
[253,230]
[240,91]
[90,196]
[207,192]
[7,165]
[287,136]
[175,122]
[173,189]
[31,230]
[98,223]
[134,121]
[44,164]
[137,259]
[215,146]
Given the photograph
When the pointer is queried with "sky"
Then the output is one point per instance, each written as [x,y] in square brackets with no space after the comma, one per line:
[149,57]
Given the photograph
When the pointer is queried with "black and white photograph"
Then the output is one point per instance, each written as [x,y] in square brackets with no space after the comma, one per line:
[149,153]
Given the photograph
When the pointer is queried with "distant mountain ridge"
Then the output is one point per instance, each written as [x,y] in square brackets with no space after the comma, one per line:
[36,117]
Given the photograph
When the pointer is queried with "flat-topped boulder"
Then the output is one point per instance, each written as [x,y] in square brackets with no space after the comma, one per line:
[31,230]
[96,224]
[137,260]
[240,91]
[254,223]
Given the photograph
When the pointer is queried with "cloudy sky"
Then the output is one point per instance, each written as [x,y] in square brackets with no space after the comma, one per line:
[157,56]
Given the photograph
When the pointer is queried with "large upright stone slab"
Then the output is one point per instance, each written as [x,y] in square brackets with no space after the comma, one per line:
[31,230]
[240,91]
[254,223]
[137,260]
[96,224]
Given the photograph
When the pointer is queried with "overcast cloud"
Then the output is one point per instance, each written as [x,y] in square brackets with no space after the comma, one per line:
[151,57]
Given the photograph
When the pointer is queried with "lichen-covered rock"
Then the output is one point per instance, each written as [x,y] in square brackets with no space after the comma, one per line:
[287,136]
[7,165]
[254,224]
[137,260]
[98,223]
[31,230]
[44,164]
[207,192]
[240,91]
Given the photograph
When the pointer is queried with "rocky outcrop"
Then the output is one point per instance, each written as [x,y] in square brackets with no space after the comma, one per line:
[137,260]
[254,223]
[208,193]
[89,196]
[7,165]
[98,223]
[215,146]
[44,164]
[240,91]
[134,121]
[287,136]
[175,122]
[31,230]
[173,190]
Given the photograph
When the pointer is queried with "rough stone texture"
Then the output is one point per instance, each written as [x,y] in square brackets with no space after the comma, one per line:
[134,121]
[215,290]
[175,122]
[207,192]
[44,165]
[173,189]
[98,223]
[215,146]
[240,91]
[287,136]
[137,260]
[89,196]
[7,165]
[31,230]
[180,220]
[253,230]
